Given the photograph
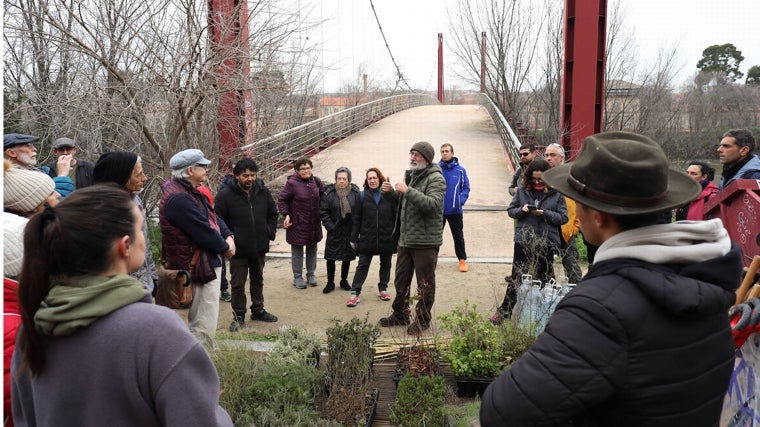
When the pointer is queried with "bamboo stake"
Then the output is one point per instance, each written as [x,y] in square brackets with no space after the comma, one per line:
[754,291]
[741,293]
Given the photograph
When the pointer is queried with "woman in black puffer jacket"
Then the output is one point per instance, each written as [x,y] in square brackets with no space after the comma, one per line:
[338,203]
[373,235]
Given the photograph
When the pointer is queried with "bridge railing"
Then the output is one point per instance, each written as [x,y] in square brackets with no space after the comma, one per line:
[276,154]
[509,139]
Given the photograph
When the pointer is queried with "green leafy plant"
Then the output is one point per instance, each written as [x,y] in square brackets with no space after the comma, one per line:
[284,393]
[419,401]
[350,348]
[475,349]
[464,415]
[297,345]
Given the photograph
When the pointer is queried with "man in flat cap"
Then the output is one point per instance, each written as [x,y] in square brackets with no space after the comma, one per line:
[80,171]
[419,226]
[644,339]
[20,150]
[188,223]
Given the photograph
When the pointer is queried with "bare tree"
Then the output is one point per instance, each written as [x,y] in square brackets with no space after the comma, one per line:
[511,28]
[132,75]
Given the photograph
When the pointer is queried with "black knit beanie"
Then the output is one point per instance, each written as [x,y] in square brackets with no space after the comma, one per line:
[115,166]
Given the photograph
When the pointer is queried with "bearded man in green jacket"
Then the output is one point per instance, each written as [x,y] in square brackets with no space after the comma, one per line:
[419,226]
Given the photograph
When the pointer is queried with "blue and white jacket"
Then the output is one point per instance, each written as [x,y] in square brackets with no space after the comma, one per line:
[457,186]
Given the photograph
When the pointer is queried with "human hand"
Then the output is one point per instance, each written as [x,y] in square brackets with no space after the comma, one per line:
[231,251]
[401,187]
[525,208]
[512,191]
[386,187]
[538,212]
[64,164]
[286,223]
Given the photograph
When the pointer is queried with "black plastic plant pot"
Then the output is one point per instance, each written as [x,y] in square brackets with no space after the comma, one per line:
[472,386]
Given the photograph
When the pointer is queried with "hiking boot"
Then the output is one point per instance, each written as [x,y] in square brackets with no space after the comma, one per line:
[385,296]
[312,281]
[226,296]
[328,288]
[264,316]
[417,328]
[463,266]
[353,301]
[236,324]
[344,285]
[394,320]
[299,283]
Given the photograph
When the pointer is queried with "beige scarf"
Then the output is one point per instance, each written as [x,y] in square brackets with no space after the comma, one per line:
[345,206]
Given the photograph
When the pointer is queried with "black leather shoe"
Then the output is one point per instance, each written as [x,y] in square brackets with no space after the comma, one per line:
[394,320]
[345,285]
[264,316]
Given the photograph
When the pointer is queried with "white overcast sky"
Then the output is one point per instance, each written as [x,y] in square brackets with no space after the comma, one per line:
[353,40]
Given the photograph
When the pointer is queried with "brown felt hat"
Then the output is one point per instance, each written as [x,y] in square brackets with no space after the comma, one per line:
[622,173]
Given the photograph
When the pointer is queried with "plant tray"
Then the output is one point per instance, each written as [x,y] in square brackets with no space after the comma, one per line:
[370,402]
[472,386]
[425,362]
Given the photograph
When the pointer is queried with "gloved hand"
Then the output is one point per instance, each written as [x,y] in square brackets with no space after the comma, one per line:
[744,320]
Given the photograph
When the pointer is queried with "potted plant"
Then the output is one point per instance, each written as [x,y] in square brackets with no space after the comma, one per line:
[298,345]
[419,401]
[417,360]
[350,348]
[479,350]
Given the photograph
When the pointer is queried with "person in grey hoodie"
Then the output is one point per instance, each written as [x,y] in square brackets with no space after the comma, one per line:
[92,350]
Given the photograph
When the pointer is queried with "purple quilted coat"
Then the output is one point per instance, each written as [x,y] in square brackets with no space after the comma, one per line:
[300,199]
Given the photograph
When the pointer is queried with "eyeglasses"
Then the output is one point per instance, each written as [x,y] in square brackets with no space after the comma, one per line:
[536,180]
[524,154]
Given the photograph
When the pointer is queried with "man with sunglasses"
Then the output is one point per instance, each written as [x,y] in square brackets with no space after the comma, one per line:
[527,154]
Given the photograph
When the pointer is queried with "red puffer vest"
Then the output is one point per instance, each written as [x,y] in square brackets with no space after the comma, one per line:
[176,247]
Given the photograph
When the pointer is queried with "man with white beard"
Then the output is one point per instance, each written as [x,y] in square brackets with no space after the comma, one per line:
[419,224]
[20,150]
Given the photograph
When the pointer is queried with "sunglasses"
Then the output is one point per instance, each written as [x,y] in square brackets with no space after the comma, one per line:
[524,154]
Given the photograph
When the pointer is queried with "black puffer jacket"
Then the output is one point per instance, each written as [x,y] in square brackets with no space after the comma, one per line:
[338,243]
[635,344]
[373,226]
[251,216]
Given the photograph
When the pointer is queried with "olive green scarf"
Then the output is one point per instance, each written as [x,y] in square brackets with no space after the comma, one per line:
[75,303]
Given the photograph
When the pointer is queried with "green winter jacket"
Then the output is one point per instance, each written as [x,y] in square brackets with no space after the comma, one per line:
[419,221]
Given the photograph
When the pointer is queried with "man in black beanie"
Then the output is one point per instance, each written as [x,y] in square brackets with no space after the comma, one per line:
[125,169]
[419,225]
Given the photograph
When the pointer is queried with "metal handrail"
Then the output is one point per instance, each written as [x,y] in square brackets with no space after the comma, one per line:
[276,154]
[509,139]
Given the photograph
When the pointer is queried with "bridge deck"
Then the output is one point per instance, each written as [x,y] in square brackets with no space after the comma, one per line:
[487,228]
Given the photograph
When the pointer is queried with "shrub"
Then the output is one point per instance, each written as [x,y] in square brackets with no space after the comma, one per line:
[419,401]
[475,349]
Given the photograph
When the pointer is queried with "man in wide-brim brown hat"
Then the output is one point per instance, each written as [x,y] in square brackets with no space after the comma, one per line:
[644,338]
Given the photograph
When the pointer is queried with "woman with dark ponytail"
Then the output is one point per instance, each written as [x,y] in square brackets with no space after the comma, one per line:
[92,348]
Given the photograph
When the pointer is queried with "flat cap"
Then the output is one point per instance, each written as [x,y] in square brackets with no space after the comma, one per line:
[64,142]
[186,158]
[14,139]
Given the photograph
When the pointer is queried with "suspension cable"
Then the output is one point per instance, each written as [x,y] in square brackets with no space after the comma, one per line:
[399,77]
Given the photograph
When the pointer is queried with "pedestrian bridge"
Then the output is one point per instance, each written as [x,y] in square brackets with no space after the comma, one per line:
[385,144]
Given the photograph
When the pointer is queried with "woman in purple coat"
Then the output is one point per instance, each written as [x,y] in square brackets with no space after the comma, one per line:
[299,203]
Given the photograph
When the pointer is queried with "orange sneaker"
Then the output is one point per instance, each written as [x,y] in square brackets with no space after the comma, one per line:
[463,266]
